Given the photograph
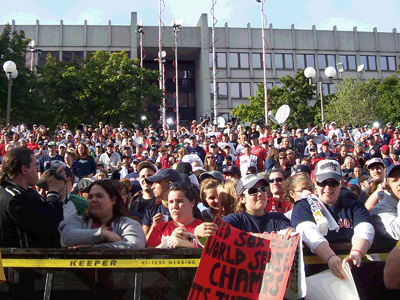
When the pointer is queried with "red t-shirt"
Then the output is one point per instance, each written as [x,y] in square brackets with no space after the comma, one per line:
[261,156]
[32,146]
[163,230]
[276,206]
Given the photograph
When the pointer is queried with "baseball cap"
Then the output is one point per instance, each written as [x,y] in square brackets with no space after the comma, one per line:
[333,123]
[52,144]
[249,181]
[369,137]
[184,168]
[192,137]
[328,169]
[62,145]
[392,167]
[146,164]
[374,161]
[325,143]
[82,185]
[231,169]
[213,146]
[98,145]
[303,169]
[170,174]
[385,149]
[136,161]
[214,174]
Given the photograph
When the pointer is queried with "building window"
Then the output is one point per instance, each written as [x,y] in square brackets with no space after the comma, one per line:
[328,88]
[43,55]
[239,60]
[283,61]
[369,62]
[69,56]
[305,60]
[255,86]
[240,90]
[257,60]
[220,58]
[348,61]
[326,60]
[388,63]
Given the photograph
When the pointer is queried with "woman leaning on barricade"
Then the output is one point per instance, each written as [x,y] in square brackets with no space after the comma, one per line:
[105,224]
[327,218]
[179,232]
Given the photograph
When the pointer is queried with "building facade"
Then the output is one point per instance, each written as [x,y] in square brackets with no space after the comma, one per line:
[239,56]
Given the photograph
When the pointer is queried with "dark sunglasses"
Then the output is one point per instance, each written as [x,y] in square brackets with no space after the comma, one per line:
[331,184]
[279,179]
[254,190]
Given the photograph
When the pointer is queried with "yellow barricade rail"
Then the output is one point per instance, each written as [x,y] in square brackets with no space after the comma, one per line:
[140,263]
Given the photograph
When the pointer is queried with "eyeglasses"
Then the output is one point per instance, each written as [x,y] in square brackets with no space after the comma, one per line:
[331,184]
[279,179]
[254,190]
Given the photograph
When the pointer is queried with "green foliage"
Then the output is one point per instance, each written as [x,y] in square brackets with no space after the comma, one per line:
[295,92]
[389,104]
[355,102]
[26,105]
[105,87]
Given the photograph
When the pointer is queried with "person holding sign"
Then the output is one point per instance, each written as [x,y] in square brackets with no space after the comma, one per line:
[179,232]
[352,218]
[250,215]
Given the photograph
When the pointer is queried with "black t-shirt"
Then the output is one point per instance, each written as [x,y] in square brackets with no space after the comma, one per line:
[153,209]
[138,205]
[269,222]
[347,213]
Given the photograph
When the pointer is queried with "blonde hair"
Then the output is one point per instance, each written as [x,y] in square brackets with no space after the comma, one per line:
[206,184]
[227,197]
[293,181]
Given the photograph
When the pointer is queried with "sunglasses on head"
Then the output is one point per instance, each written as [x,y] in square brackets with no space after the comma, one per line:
[279,179]
[254,190]
[331,184]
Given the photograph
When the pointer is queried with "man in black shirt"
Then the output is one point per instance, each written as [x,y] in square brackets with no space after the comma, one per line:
[158,212]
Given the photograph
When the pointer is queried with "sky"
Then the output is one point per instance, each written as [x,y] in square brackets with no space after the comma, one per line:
[345,14]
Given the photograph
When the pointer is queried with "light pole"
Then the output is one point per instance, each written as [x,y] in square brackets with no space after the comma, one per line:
[11,72]
[139,29]
[214,65]
[263,59]
[177,25]
[310,73]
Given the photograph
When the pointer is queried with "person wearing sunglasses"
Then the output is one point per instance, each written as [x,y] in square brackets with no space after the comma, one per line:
[351,216]
[277,203]
[105,224]
[250,215]
[179,232]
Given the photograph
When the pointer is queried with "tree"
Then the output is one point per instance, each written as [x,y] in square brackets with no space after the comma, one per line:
[355,102]
[295,92]
[389,104]
[26,105]
[105,87]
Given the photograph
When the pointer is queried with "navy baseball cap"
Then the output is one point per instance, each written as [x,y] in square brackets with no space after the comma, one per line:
[170,174]
[392,168]
[303,169]
[213,174]
[231,169]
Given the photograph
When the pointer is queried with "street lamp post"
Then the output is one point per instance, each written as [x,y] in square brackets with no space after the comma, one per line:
[177,25]
[310,73]
[11,72]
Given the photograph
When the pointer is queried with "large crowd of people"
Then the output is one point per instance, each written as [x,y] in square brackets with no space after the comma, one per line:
[161,187]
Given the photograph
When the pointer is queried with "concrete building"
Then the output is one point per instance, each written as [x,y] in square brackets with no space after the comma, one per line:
[239,56]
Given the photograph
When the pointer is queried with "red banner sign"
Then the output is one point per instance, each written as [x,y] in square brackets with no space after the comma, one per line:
[237,265]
